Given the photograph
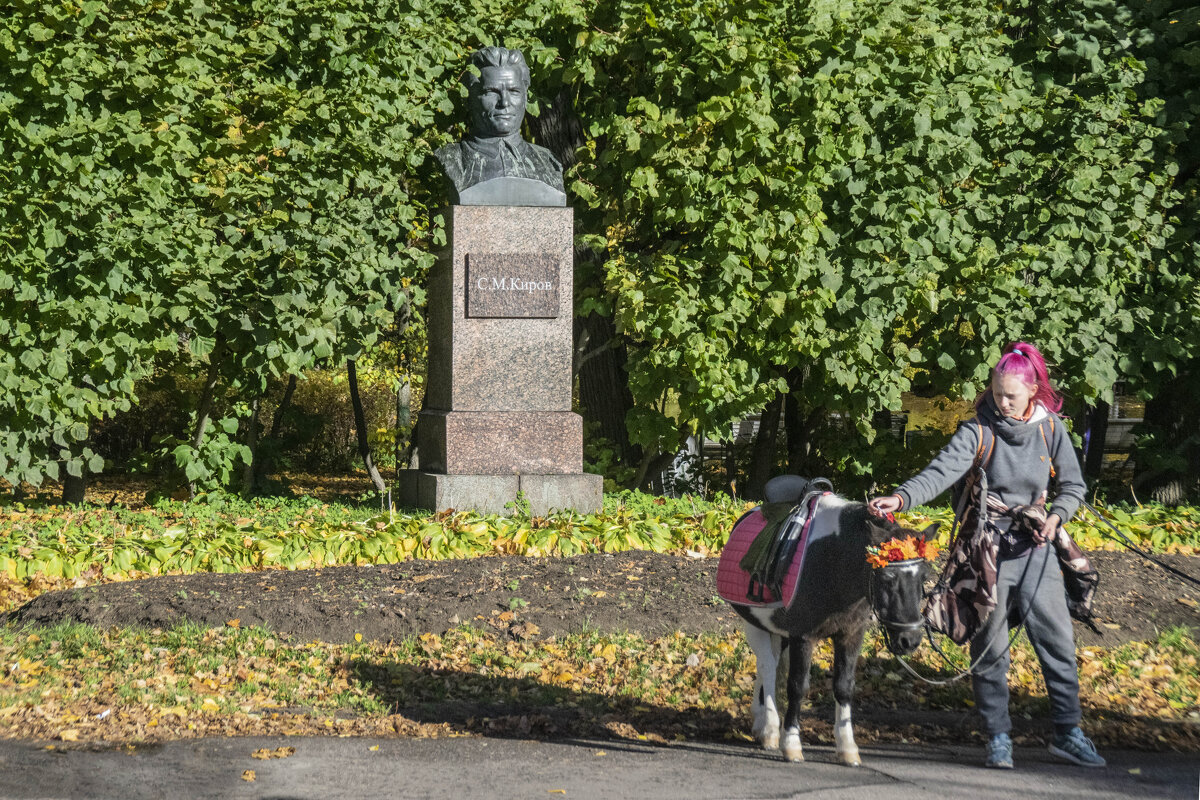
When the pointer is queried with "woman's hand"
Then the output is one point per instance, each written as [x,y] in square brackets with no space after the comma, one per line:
[882,506]
[1049,528]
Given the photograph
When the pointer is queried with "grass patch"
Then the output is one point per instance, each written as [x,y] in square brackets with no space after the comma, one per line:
[75,682]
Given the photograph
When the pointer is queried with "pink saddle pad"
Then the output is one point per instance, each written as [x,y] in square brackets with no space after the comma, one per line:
[733,582]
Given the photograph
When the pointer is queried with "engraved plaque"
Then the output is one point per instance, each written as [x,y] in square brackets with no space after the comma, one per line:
[512,285]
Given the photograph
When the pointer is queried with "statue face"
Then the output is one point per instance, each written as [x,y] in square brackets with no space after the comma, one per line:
[497,102]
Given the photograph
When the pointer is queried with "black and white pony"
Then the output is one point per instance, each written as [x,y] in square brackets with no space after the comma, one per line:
[835,598]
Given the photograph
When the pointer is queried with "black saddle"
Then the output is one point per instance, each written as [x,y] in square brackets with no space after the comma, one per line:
[786,510]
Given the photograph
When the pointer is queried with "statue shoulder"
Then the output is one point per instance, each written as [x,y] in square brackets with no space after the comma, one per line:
[549,168]
[545,155]
[450,154]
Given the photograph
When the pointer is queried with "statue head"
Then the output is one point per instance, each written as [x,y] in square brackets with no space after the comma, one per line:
[497,95]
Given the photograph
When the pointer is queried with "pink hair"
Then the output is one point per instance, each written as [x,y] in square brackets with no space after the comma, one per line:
[1025,362]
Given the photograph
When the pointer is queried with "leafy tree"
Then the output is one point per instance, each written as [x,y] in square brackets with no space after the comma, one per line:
[845,201]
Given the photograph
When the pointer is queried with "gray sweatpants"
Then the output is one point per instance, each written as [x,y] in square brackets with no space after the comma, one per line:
[1031,587]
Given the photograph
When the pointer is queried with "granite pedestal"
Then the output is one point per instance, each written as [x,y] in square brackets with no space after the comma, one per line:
[497,418]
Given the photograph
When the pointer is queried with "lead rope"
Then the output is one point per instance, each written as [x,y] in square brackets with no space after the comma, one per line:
[1011,639]
[1126,542]
[981,480]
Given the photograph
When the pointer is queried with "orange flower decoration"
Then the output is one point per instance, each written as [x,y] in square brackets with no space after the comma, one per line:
[901,550]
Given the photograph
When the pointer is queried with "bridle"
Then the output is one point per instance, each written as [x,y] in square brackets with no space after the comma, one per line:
[894,627]
[970,670]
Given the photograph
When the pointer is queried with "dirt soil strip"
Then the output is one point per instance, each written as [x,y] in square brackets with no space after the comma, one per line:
[638,592]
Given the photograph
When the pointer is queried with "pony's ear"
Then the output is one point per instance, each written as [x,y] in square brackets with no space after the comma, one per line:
[930,531]
[880,530]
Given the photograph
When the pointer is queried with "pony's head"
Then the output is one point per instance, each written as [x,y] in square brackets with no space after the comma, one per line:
[897,583]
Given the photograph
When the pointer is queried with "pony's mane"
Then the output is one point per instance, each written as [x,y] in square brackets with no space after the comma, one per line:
[855,519]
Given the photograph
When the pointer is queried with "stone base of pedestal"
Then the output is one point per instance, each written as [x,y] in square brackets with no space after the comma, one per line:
[493,494]
[501,442]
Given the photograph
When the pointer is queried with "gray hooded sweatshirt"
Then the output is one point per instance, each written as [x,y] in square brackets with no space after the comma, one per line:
[1019,470]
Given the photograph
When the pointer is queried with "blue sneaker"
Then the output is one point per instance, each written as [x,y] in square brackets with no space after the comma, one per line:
[1077,749]
[999,752]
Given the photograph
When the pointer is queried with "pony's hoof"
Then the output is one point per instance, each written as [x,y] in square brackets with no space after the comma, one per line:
[770,742]
[850,759]
[793,748]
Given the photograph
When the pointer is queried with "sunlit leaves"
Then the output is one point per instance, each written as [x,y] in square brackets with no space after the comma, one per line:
[849,192]
[99,544]
[78,683]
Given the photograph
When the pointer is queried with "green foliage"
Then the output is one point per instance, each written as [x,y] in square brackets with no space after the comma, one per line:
[236,185]
[883,193]
[1151,527]
[226,534]
[875,194]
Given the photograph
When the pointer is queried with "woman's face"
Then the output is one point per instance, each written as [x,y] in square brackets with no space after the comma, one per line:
[1012,394]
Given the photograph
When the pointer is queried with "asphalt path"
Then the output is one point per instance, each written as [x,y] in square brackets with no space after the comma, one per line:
[474,767]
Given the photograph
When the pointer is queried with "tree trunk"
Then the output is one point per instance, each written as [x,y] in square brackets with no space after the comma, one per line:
[557,128]
[205,408]
[401,321]
[650,469]
[264,454]
[73,488]
[762,459]
[360,425]
[604,396]
[731,470]
[1096,431]
[1171,414]
[284,404]
[248,476]
[800,428]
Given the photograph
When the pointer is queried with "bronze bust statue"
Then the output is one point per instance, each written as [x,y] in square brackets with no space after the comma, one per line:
[494,166]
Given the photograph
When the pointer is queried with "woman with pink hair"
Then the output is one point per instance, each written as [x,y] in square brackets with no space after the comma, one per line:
[1015,445]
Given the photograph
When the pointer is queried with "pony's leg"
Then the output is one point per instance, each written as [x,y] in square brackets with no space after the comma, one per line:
[799,662]
[766,648]
[846,648]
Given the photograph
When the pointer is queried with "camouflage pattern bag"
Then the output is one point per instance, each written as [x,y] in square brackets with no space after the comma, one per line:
[965,596]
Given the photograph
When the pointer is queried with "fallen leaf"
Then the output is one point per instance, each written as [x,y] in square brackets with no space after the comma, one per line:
[69,735]
[358,637]
[234,623]
[249,775]
[279,752]
[1187,601]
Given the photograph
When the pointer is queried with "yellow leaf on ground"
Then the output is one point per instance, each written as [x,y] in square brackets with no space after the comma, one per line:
[69,735]
[280,752]
[249,775]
